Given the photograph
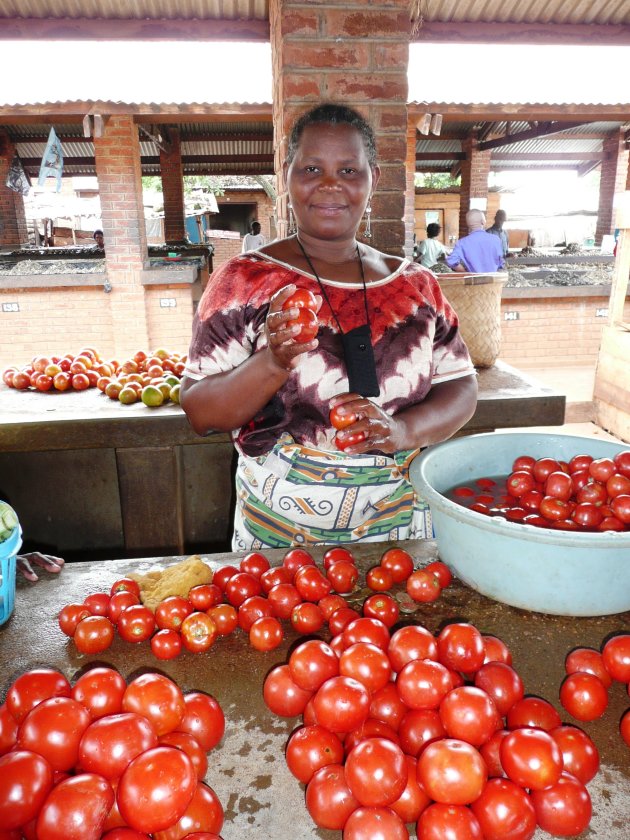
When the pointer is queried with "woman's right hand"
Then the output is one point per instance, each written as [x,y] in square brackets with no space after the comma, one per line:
[282,345]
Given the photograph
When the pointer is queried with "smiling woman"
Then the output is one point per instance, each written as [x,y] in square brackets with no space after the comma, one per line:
[388,355]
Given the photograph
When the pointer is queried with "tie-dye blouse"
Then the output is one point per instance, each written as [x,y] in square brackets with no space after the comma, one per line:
[415,337]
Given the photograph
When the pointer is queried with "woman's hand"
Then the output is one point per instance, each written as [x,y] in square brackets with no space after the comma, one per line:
[381,431]
[283,347]
[45,561]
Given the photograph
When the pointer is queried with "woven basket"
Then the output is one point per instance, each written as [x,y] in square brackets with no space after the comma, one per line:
[477,300]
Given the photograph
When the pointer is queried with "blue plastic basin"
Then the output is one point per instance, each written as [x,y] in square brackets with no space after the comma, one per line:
[8,551]
[540,569]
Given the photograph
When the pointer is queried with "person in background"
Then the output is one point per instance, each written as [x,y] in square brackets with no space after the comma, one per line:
[254,240]
[497,229]
[431,250]
[99,239]
[387,356]
[480,252]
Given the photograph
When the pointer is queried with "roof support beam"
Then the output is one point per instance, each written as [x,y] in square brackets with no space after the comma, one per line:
[544,129]
[116,29]
[459,32]
[587,167]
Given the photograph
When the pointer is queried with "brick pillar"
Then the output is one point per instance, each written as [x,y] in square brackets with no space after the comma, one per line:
[410,192]
[475,171]
[614,178]
[13,229]
[356,54]
[173,186]
[117,155]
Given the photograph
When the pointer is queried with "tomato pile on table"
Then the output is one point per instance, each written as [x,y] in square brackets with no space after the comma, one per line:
[105,759]
[153,377]
[585,494]
[253,597]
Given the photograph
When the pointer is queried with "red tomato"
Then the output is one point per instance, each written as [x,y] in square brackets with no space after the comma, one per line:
[564,808]
[589,661]
[418,728]
[469,714]
[523,462]
[240,587]
[504,810]
[307,618]
[203,719]
[158,698]
[170,612]
[274,576]
[368,823]
[225,618]
[438,822]
[119,602]
[580,756]
[411,642]
[8,730]
[340,619]
[376,772]
[125,584]
[136,624]
[330,603]
[519,483]
[602,469]
[70,616]
[616,657]
[76,809]
[531,501]
[80,381]
[379,579]
[441,571]
[222,575]
[371,728]
[464,492]
[423,684]
[54,729]
[533,712]
[312,663]
[387,706]
[342,576]
[341,704]
[202,819]
[282,695]
[502,684]
[198,632]
[301,299]
[367,629]
[124,833]
[283,597]
[554,509]
[622,462]
[491,753]
[26,779]
[110,743]
[618,485]
[496,650]
[266,633]
[593,492]
[452,771]
[423,586]
[531,758]
[461,648]
[383,608]
[32,687]
[559,485]
[156,788]
[587,515]
[193,749]
[329,800]
[398,562]
[624,727]
[311,748]
[101,691]
[204,596]
[311,583]
[584,696]
[367,664]
[621,508]
[544,467]
[308,323]
[295,558]
[252,609]
[333,555]
[413,799]
[97,603]
[340,417]
[255,564]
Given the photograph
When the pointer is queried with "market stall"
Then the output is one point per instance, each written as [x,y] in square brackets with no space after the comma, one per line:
[248,771]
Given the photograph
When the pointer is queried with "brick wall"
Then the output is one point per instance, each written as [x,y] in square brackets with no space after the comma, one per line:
[448,203]
[225,247]
[173,189]
[475,171]
[614,172]
[169,327]
[351,53]
[13,229]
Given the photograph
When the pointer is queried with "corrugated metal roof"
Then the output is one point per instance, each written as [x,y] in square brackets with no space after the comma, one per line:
[137,9]
[521,11]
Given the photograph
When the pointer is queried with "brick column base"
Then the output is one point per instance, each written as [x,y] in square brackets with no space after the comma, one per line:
[475,171]
[173,186]
[614,178]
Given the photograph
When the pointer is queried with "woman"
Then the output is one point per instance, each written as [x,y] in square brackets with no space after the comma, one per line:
[248,374]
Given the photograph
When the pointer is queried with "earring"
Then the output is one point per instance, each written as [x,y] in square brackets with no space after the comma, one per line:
[292,225]
[367,231]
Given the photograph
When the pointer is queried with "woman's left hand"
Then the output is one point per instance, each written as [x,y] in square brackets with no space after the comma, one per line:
[48,562]
[382,432]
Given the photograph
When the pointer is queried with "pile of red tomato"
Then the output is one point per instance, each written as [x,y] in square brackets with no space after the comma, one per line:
[410,728]
[253,597]
[584,494]
[101,758]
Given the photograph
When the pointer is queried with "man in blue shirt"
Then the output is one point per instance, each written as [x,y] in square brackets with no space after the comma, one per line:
[479,252]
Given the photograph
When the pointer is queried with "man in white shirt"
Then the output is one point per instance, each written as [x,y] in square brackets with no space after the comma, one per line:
[431,250]
[254,240]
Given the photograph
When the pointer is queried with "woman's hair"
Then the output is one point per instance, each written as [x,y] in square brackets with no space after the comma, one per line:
[329,113]
[433,230]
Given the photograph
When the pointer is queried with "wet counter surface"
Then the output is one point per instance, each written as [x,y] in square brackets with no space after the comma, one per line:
[248,771]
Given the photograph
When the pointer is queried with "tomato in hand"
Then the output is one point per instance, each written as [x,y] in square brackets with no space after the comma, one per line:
[301,299]
[340,417]
[346,439]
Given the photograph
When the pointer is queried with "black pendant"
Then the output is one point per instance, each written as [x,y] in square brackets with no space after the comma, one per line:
[360,362]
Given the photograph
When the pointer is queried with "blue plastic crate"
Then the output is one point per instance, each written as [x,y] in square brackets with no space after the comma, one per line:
[8,551]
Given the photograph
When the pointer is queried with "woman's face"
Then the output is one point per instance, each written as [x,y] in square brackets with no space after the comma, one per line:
[330,181]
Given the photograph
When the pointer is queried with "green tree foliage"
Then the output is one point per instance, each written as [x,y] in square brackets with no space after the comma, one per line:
[208,183]
[436,180]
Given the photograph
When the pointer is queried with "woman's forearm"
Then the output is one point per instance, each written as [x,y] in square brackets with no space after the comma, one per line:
[226,401]
[445,410]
